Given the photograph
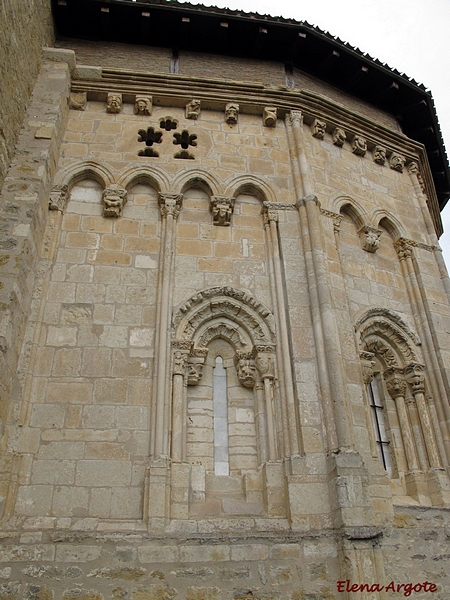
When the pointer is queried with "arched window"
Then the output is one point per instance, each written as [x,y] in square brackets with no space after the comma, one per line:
[220,407]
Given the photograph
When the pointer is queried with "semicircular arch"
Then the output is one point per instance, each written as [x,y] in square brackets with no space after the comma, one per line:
[72,174]
[153,176]
[224,312]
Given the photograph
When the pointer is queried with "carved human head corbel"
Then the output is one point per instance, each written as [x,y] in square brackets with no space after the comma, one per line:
[397,162]
[370,237]
[318,129]
[379,155]
[143,105]
[246,369]
[114,103]
[231,113]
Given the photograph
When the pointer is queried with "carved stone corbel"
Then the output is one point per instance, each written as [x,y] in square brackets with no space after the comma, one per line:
[193,109]
[370,237]
[379,155]
[114,198]
[359,146]
[222,210]
[78,101]
[415,377]
[270,116]
[143,105]
[114,103]
[246,369]
[318,129]
[339,137]
[231,113]
[397,162]
[58,198]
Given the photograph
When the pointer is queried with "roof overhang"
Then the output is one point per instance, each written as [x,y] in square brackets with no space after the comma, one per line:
[167,23]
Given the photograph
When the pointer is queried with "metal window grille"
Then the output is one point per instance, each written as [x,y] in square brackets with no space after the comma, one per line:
[379,422]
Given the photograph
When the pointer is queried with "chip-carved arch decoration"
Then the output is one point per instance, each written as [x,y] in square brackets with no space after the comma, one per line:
[224,312]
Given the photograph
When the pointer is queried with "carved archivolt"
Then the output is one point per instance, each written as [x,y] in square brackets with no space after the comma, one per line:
[385,334]
[225,312]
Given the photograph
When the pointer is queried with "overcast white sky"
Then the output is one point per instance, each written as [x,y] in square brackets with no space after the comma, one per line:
[412,36]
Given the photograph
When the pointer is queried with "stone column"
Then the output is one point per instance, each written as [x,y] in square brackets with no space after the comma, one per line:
[170,205]
[405,251]
[330,335]
[293,443]
[396,387]
[414,374]
[181,351]
[324,380]
[419,190]
[333,353]
[265,363]
[367,364]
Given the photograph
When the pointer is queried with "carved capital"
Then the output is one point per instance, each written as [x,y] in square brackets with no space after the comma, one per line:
[270,116]
[395,382]
[295,116]
[367,365]
[265,363]
[339,137]
[58,198]
[231,113]
[403,248]
[193,109]
[379,155]
[415,376]
[170,204]
[370,238]
[318,129]
[143,105]
[397,162]
[269,214]
[246,369]
[309,198]
[78,101]
[114,103]
[196,362]
[359,146]
[114,198]
[413,168]
[222,210]
[180,359]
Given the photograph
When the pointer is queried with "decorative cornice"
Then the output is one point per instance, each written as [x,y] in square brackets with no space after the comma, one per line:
[253,97]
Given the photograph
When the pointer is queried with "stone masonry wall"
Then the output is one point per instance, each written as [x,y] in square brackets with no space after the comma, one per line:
[26,28]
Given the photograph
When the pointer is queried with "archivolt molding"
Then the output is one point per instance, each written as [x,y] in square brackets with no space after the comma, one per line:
[198,178]
[385,334]
[75,172]
[224,312]
[153,176]
[248,184]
